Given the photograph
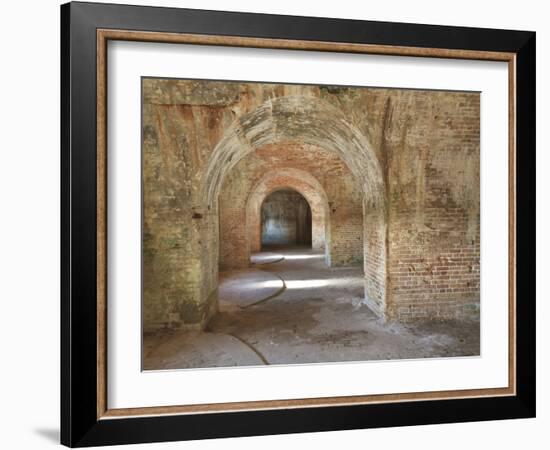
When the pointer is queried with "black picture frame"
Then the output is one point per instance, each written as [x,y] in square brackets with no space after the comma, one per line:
[80,425]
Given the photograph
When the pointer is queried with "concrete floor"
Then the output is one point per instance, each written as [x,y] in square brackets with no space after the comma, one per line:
[289,308]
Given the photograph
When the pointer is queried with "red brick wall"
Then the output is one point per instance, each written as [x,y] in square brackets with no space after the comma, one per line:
[434,237]
[437,274]
[375,260]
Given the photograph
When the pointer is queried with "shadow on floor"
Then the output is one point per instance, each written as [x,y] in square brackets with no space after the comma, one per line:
[49,434]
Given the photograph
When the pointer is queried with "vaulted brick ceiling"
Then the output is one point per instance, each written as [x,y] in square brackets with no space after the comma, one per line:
[301,119]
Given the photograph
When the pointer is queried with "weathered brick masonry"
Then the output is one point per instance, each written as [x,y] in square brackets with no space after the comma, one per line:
[395,174]
[318,175]
[300,181]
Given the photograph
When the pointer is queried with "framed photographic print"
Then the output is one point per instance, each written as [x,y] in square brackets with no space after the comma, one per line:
[277,224]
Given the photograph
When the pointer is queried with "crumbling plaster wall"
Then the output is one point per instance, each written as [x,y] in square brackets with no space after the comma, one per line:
[424,261]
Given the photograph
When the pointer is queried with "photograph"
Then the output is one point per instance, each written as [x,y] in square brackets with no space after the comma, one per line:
[304,223]
[277,224]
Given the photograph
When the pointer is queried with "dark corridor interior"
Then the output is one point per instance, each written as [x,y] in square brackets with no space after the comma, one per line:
[286,219]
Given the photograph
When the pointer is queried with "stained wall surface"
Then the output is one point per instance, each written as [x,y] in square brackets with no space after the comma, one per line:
[400,169]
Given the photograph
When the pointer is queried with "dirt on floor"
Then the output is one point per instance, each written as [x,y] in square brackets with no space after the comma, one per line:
[289,308]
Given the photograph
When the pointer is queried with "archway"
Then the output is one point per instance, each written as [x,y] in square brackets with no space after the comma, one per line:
[317,122]
[306,185]
[296,118]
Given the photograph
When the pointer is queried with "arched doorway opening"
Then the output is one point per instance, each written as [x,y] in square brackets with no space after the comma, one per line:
[285,220]
[315,122]
[309,188]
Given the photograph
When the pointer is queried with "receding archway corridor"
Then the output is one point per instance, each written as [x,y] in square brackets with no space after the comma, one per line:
[290,308]
[300,224]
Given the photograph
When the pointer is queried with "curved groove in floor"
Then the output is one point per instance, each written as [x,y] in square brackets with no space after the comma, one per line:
[261,259]
[280,291]
[251,347]
[276,294]
[246,287]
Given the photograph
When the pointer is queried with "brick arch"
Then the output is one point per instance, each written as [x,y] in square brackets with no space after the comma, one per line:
[296,118]
[303,183]
[316,122]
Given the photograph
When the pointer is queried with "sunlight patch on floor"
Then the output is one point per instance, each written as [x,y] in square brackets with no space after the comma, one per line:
[303,256]
[301,284]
